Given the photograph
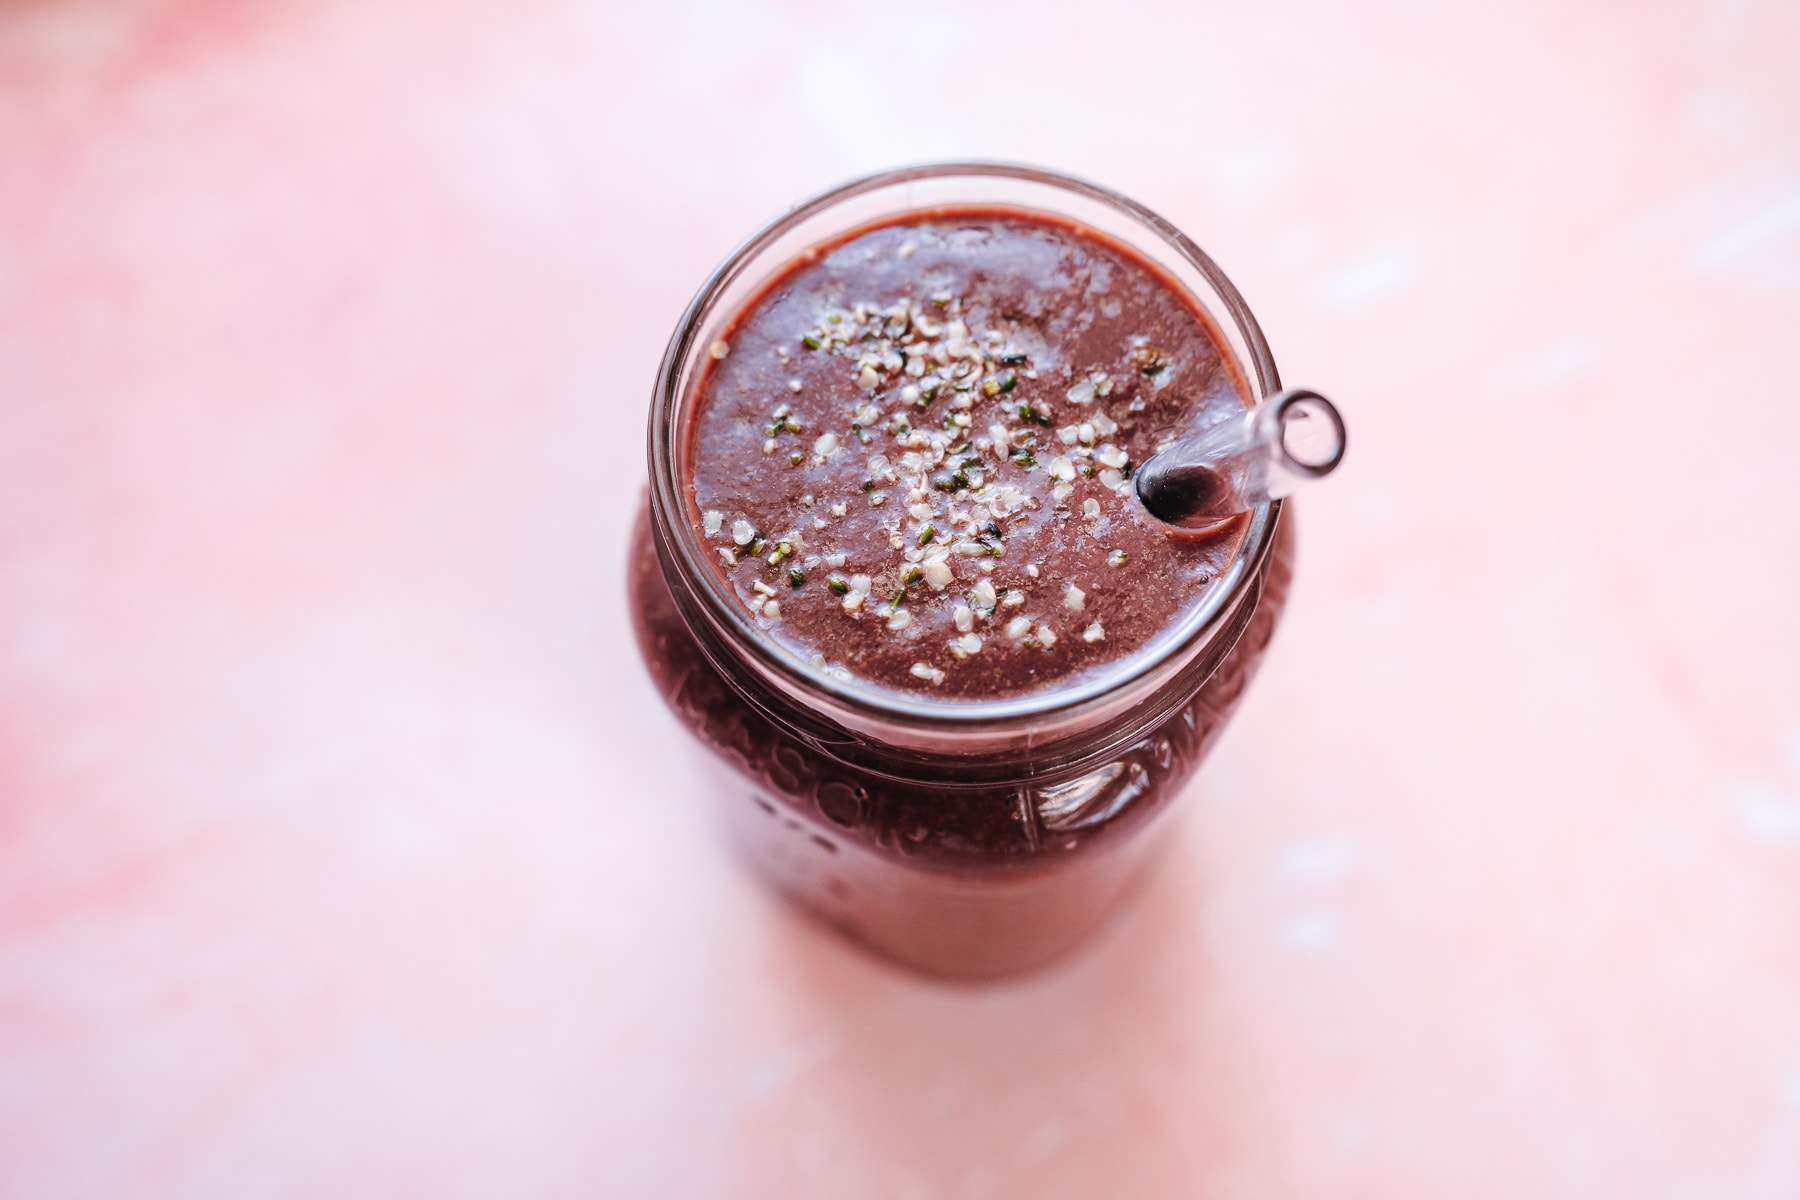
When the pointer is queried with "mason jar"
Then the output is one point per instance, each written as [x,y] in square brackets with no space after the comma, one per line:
[987,836]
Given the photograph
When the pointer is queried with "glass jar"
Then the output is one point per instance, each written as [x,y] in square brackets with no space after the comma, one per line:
[980,838]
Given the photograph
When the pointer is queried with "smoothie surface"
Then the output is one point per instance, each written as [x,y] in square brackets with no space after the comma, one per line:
[910,453]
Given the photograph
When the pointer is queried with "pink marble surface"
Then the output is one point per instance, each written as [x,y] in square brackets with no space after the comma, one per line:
[345,851]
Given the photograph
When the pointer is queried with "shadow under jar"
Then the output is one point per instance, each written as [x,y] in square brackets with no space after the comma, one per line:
[891,572]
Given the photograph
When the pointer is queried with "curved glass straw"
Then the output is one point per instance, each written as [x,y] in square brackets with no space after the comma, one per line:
[1200,483]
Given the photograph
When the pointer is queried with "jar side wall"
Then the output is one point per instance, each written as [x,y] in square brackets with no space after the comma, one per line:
[951,880]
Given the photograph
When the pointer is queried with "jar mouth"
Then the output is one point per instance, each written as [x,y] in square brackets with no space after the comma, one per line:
[885,195]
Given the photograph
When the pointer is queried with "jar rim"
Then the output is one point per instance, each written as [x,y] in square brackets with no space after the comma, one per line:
[684,556]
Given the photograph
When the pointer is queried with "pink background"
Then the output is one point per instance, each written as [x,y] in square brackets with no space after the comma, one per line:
[345,850]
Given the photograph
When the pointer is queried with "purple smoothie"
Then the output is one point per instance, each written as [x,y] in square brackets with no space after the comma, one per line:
[891,498]
[912,452]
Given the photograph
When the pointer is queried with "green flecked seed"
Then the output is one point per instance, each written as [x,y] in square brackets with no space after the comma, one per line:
[796,577]
[811,342]
[838,586]
[868,485]
[926,534]
[796,458]
[912,575]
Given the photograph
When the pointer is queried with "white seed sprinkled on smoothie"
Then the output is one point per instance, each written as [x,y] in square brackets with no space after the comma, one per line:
[906,249]
[838,510]
[1112,479]
[772,611]
[1062,491]
[938,573]
[729,555]
[868,377]
[964,617]
[1086,433]
[1082,392]
[1104,425]
[712,518]
[1093,633]
[1046,636]
[1111,456]
[1031,570]
[1116,558]
[1074,599]
[758,585]
[769,446]
[1018,627]
[794,385]
[1090,507]
[968,643]
[928,672]
[825,446]
[1068,435]
[860,584]
[900,618]
[838,559]
[742,532]
[853,602]
[720,349]
[1061,468]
